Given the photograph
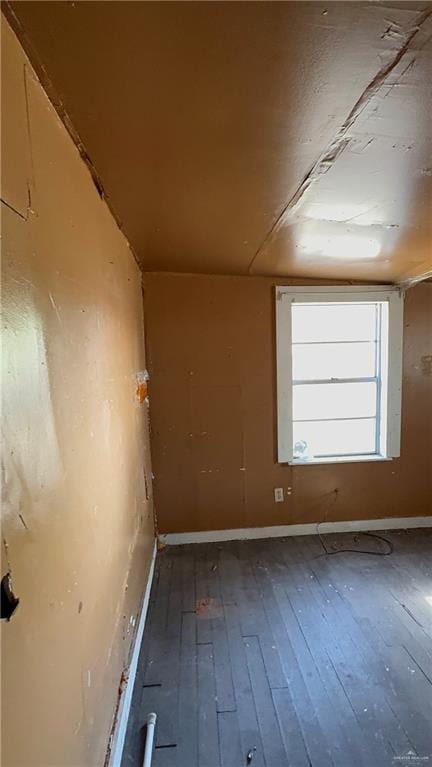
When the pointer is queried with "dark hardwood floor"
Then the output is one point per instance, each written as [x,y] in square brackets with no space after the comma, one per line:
[272,649]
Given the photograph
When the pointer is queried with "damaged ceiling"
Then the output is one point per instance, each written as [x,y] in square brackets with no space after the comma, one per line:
[266,138]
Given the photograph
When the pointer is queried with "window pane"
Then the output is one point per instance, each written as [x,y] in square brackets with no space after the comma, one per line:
[312,361]
[338,400]
[315,438]
[333,322]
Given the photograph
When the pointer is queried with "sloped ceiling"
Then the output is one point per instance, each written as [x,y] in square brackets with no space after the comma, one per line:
[288,139]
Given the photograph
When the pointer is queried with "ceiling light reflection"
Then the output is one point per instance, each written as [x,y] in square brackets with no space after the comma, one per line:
[348,246]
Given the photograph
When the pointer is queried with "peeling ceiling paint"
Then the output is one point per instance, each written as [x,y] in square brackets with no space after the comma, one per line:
[288,139]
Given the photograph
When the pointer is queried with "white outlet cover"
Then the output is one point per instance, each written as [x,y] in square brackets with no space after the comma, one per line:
[278,494]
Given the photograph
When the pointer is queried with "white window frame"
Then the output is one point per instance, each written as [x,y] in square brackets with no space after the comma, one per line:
[391,419]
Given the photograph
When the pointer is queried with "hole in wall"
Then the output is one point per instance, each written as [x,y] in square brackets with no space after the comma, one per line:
[9,602]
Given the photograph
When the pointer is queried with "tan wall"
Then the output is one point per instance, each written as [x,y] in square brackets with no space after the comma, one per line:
[76,522]
[210,345]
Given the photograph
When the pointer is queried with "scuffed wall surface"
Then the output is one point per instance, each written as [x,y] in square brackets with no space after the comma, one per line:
[77,517]
[210,343]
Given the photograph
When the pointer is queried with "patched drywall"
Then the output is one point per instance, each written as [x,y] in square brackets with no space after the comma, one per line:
[77,516]
[211,352]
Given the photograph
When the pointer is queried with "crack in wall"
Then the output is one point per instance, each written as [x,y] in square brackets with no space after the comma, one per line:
[339,143]
[31,182]
[6,554]
[14,210]
[410,282]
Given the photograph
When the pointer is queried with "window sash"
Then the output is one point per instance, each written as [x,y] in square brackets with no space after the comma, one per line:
[338,443]
[389,360]
[312,381]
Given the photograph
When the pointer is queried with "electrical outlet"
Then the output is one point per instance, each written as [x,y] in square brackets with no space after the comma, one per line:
[278,494]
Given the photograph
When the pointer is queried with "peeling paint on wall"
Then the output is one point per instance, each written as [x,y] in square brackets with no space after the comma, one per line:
[142,386]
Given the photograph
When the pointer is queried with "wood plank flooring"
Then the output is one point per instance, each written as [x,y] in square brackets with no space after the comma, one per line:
[273,649]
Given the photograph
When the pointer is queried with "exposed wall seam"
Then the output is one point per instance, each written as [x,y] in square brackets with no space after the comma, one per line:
[25,217]
[335,148]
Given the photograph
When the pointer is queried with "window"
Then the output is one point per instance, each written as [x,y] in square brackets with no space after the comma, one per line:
[339,373]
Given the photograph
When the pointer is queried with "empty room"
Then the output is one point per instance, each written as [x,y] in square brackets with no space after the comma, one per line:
[216,383]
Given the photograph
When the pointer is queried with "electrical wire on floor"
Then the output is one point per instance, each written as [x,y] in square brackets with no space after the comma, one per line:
[326,552]
[386,553]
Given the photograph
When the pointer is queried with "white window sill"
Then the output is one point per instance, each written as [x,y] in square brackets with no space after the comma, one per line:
[339,459]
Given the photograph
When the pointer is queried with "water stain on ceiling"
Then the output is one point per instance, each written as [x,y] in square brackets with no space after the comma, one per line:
[277,138]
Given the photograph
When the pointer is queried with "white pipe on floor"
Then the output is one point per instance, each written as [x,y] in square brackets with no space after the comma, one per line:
[151,724]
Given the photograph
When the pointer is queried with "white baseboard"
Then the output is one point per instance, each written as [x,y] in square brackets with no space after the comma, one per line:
[121,722]
[281,531]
